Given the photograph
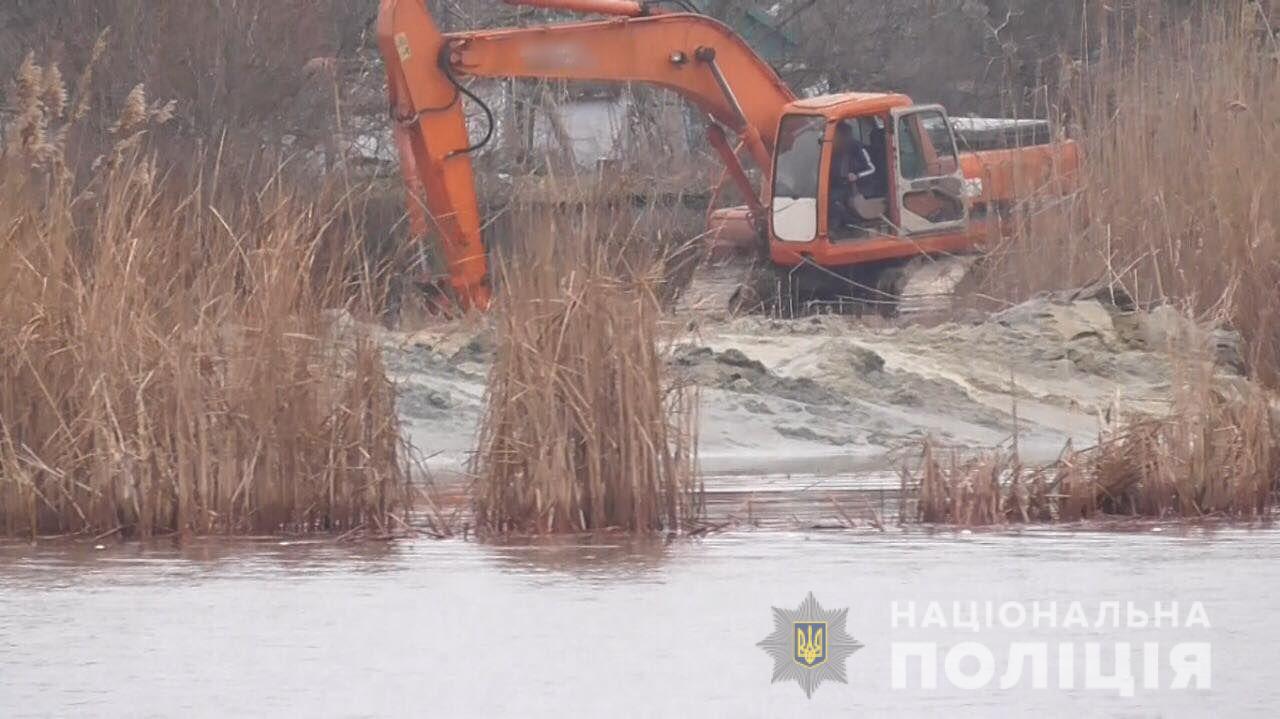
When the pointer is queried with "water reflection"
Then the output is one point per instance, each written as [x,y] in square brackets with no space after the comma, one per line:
[604,557]
[69,562]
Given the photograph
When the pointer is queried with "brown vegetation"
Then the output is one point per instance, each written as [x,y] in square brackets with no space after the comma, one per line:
[166,360]
[1179,119]
[1180,122]
[1215,455]
[584,428]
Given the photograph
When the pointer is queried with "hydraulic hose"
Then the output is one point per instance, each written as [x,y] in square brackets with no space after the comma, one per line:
[491,125]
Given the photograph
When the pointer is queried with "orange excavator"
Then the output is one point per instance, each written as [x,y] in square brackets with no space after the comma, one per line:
[910,197]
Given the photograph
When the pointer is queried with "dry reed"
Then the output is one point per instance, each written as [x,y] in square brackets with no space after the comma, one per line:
[1215,455]
[1180,125]
[584,428]
[1179,118]
[166,362]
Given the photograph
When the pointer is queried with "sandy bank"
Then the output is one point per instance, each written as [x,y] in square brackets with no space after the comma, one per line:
[832,394]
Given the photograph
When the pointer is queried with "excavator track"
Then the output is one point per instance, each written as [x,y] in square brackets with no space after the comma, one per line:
[926,286]
[914,290]
[715,287]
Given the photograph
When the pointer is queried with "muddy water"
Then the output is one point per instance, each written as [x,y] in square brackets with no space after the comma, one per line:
[599,627]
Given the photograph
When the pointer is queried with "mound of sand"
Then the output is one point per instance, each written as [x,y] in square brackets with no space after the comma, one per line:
[830,393]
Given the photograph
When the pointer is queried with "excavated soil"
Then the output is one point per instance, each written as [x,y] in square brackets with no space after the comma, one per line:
[829,394]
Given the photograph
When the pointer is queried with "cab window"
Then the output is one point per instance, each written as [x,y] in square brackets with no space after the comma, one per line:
[910,158]
[799,157]
[796,174]
[925,146]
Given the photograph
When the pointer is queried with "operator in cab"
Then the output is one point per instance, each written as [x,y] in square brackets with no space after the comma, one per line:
[852,172]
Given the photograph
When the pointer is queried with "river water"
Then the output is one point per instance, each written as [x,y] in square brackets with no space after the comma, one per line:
[608,626]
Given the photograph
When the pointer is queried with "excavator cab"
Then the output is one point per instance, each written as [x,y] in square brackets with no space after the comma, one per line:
[861,185]
[866,168]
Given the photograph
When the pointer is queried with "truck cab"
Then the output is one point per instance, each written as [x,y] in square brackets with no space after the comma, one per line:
[912,189]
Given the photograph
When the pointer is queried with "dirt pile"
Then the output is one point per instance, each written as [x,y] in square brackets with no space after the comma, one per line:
[830,393]
[733,371]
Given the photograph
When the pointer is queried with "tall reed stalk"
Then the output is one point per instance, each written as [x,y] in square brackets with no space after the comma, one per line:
[585,429]
[167,364]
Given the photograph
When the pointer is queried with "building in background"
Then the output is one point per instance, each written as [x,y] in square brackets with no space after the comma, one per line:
[590,125]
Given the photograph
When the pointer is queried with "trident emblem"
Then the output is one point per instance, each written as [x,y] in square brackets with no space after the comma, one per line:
[811,643]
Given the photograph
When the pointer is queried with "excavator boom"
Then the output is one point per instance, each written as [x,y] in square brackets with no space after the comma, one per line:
[627,8]
[693,55]
[430,130]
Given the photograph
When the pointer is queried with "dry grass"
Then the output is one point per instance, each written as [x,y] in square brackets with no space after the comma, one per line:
[1215,455]
[1180,123]
[584,428]
[963,493]
[166,363]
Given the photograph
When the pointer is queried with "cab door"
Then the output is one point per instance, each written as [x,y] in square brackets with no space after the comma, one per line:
[928,180]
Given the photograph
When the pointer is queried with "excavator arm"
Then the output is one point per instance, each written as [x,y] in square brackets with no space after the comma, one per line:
[693,55]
